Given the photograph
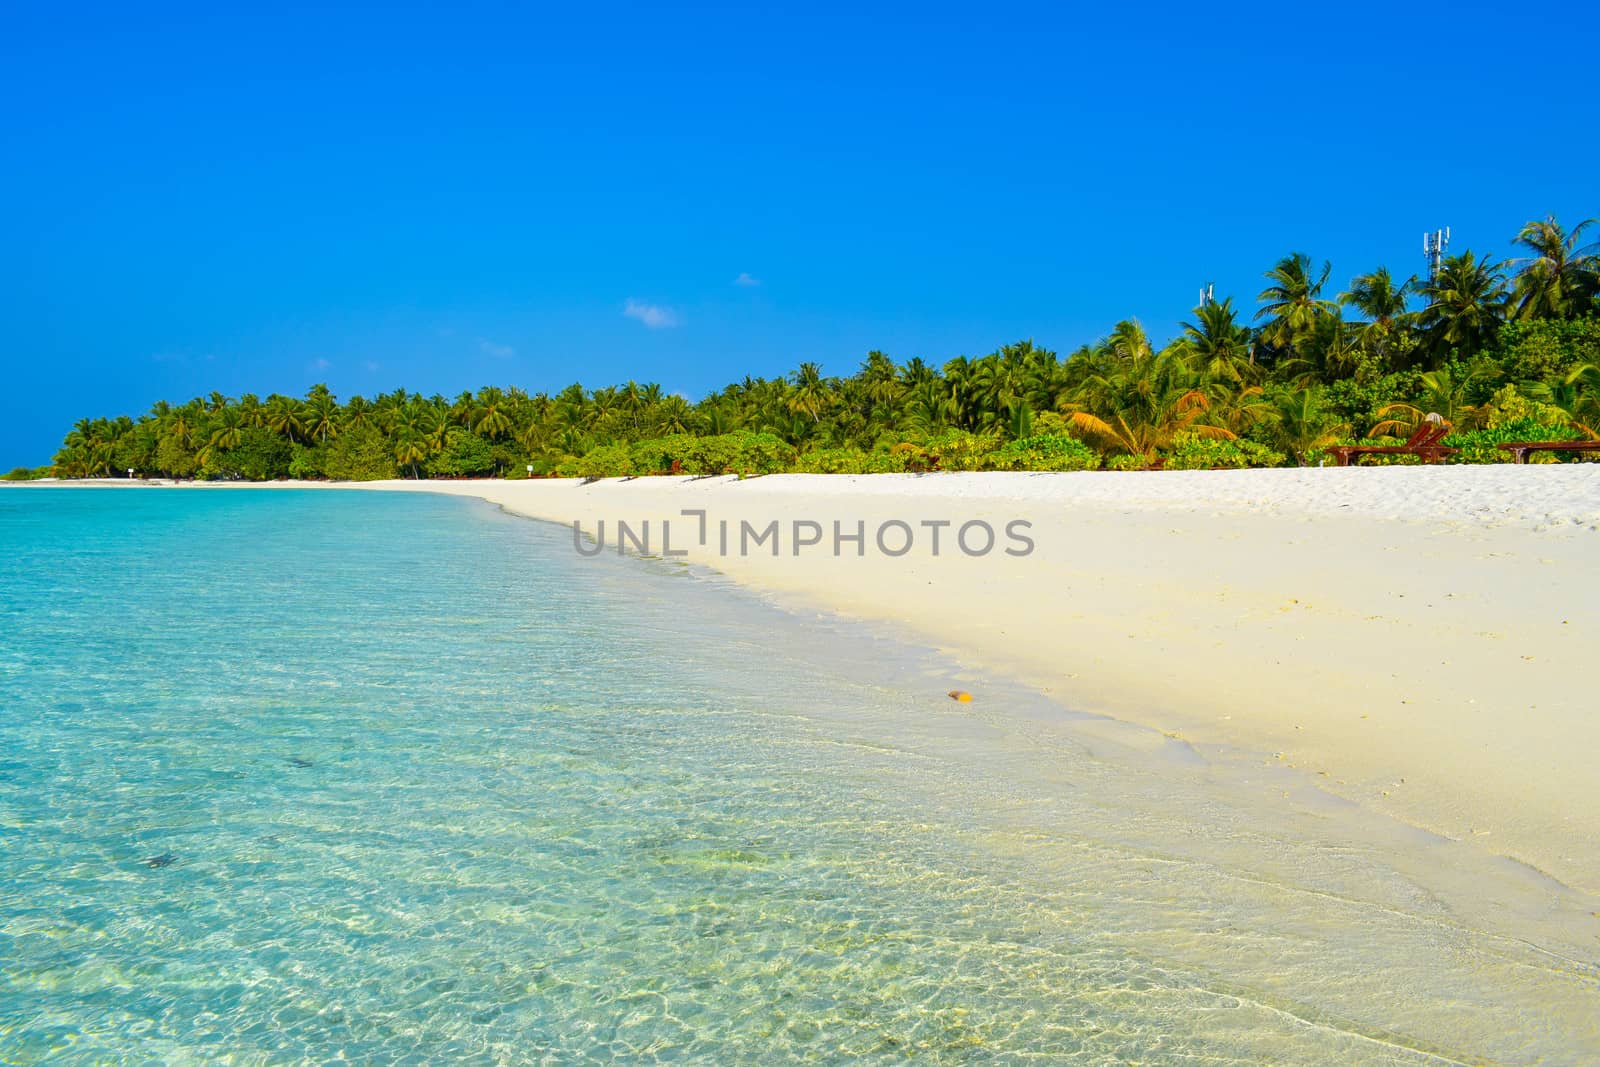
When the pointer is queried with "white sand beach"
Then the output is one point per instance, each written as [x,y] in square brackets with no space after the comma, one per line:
[1417,640]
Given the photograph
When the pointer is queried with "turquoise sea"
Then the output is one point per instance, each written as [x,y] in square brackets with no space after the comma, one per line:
[313,777]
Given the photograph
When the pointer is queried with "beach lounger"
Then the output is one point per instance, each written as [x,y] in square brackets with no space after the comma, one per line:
[1424,444]
[1519,449]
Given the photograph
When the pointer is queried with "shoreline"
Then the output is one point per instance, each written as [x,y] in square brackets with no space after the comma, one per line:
[650,756]
[1407,638]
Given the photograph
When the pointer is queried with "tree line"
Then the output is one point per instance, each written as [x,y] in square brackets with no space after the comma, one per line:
[1502,349]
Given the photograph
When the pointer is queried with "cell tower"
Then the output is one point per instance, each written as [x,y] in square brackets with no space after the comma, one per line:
[1433,246]
[1208,294]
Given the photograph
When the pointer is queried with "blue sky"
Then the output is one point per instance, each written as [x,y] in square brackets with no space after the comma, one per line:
[445,196]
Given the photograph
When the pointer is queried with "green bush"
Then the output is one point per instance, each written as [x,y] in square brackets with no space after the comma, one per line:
[741,453]
[1509,406]
[25,474]
[660,455]
[1475,446]
[464,455]
[852,461]
[1127,463]
[259,455]
[1317,456]
[912,457]
[1359,402]
[764,453]
[360,454]
[1545,350]
[958,450]
[545,466]
[1480,446]
[1044,452]
[1192,452]
[136,450]
[718,454]
[885,461]
[173,459]
[308,462]
[607,461]
[505,457]
[832,461]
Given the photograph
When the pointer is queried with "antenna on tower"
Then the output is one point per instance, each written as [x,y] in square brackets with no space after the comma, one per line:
[1433,246]
[1208,294]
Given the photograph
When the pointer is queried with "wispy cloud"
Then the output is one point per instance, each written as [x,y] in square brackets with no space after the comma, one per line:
[498,351]
[652,315]
[371,364]
[320,364]
[746,280]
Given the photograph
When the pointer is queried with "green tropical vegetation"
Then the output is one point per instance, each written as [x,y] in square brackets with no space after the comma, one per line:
[1503,350]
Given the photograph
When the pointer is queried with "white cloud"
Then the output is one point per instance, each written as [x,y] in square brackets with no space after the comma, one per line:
[371,364]
[652,315]
[498,351]
[745,279]
[320,364]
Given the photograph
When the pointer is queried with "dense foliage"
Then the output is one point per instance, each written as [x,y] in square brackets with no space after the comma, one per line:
[1505,351]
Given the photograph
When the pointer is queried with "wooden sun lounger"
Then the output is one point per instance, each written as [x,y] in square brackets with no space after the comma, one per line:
[1424,444]
[1519,449]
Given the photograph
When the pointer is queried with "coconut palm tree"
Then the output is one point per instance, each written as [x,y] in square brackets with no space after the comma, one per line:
[1378,297]
[410,449]
[250,409]
[1581,393]
[995,386]
[1293,302]
[1466,304]
[1383,304]
[1302,423]
[1128,341]
[418,430]
[1560,278]
[633,401]
[925,408]
[1219,343]
[489,418]
[433,424]
[674,414]
[227,430]
[916,372]
[1577,397]
[282,415]
[181,426]
[809,393]
[321,414]
[880,385]
[1330,350]
[1143,406]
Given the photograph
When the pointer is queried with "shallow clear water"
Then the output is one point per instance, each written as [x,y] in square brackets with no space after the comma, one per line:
[302,776]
